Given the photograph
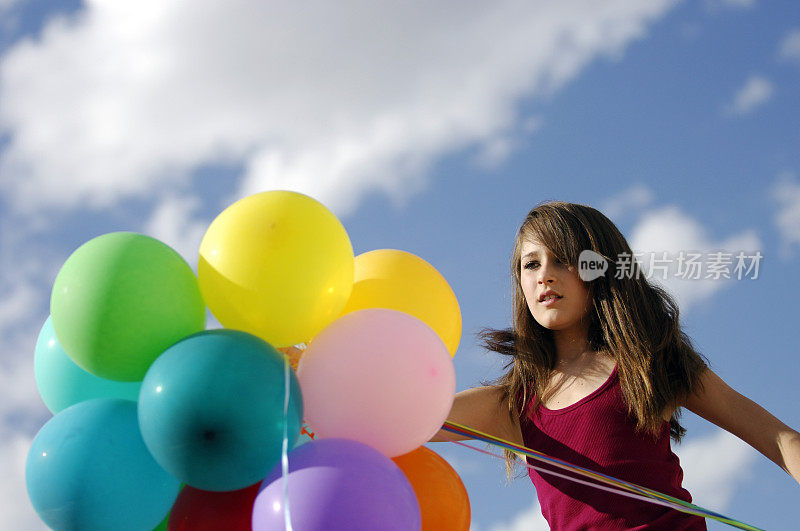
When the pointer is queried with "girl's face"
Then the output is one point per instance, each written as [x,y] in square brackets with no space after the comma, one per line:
[541,271]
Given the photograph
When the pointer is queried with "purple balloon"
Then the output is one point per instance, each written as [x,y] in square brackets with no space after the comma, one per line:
[338,484]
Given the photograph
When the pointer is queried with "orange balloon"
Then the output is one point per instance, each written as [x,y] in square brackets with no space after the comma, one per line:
[442,497]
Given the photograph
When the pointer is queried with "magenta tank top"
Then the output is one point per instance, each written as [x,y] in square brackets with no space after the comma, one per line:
[597,433]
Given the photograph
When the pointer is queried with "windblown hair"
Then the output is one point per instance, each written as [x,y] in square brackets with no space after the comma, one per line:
[633,321]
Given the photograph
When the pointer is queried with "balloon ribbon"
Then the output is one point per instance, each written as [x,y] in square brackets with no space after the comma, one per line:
[285,445]
[637,490]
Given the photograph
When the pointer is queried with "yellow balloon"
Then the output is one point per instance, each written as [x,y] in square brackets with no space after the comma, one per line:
[278,265]
[399,280]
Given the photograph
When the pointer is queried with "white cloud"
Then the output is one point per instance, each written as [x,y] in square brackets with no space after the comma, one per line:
[174,221]
[714,466]
[496,150]
[21,408]
[15,305]
[669,230]
[16,511]
[22,411]
[785,192]
[24,305]
[627,202]
[530,519]
[755,92]
[789,49]
[125,100]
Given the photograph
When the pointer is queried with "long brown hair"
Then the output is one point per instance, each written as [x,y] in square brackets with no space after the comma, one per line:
[632,320]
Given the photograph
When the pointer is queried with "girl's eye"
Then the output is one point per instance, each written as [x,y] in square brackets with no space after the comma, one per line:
[530,265]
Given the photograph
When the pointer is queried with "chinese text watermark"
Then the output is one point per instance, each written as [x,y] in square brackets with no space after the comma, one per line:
[688,265]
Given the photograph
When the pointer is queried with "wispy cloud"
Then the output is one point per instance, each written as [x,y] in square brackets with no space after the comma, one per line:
[16,511]
[756,91]
[785,193]
[5,7]
[530,519]
[714,466]
[121,101]
[627,202]
[176,222]
[739,3]
[22,411]
[731,4]
[789,49]
[665,232]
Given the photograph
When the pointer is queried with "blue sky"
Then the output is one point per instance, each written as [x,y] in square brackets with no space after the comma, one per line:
[432,129]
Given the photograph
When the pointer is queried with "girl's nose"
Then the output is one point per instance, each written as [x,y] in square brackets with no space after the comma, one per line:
[545,276]
[546,272]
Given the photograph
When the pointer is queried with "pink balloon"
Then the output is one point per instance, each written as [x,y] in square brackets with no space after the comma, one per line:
[379,376]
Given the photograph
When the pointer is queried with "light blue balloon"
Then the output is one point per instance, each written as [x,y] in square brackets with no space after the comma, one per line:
[88,469]
[62,383]
[211,409]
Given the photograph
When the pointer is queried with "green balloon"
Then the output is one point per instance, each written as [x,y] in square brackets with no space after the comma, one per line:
[163,525]
[120,300]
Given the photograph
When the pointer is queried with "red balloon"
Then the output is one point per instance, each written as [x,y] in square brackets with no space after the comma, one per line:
[203,510]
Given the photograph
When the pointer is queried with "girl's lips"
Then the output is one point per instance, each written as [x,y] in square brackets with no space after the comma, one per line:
[550,301]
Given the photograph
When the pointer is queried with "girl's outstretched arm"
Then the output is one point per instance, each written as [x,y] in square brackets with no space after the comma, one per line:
[481,408]
[734,412]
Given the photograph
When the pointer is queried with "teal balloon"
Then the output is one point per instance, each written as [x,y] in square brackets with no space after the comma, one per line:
[62,383]
[120,300]
[211,409]
[89,469]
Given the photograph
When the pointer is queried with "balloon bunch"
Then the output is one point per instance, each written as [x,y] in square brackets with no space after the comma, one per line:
[161,424]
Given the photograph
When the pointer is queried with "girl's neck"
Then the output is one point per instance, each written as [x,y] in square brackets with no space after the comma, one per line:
[572,346]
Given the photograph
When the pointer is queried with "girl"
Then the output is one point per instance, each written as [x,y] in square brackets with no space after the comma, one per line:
[597,375]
